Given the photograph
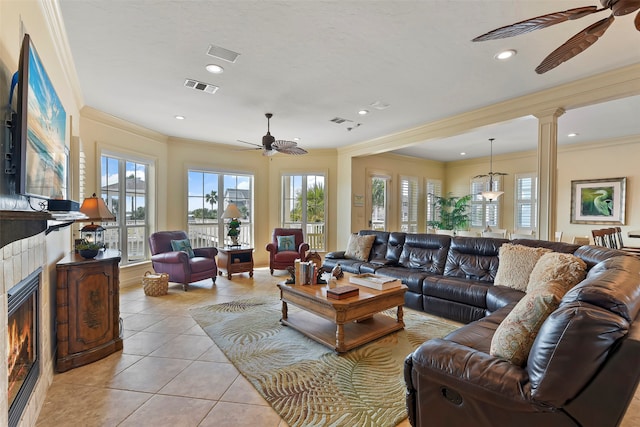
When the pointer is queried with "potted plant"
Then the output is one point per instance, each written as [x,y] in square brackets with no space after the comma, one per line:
[452,212]
[87,249]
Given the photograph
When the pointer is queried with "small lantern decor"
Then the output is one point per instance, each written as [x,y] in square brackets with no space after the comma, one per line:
[96,210]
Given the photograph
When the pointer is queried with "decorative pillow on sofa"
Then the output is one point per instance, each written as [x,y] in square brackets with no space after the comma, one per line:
[516,264]
[567,269]
[514,337]
[359,247]
[183,246]
[286,243]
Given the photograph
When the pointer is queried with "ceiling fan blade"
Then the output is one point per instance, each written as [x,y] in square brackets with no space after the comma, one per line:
[637,21]
[250,143]
[537,23]
[288,147]
[575,45]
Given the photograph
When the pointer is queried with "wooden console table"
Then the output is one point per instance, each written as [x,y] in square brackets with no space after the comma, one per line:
[88,309]
[235,259]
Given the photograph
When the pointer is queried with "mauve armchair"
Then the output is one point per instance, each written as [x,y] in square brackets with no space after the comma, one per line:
[177,264]
[280,260]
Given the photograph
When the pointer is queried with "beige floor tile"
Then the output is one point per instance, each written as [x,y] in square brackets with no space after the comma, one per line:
[140,322]
[214,354]
[189,347]
[144,343]
[173,324]
[169,411]
[202,380]
[149,374]
[72,406]
[195,330]
[241,391]
[226,414]
[98,373]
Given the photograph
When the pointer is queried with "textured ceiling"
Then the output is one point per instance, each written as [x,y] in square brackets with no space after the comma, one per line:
[308,62]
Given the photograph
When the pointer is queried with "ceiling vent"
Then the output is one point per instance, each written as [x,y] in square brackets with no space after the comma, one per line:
[222,53]
[340,120]
[204,87]
[379,105]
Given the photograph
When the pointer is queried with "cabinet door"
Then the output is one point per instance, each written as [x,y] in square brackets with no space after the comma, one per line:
[90,307]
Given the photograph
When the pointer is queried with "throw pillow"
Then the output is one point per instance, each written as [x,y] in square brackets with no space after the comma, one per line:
[516,264]
[359,247]
[286,243]
[515,335]
[183,246]
[567,269]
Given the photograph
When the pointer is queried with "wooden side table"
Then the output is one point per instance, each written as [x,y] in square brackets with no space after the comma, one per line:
[87,308]
[235,259]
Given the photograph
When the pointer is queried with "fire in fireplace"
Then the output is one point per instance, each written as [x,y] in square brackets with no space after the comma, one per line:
[22,330]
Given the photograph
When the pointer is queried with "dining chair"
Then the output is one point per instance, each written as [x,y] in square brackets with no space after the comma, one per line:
[467,233]
[514,236]
[445,232]
[558,236]
[621,245]
[493,234]
[579,240]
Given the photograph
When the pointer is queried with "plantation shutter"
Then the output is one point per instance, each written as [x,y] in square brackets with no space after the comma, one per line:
[409,204]
[434,188]
[526,202]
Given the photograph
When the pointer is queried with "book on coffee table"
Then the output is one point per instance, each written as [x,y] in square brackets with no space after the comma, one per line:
[374,281]
[342,292]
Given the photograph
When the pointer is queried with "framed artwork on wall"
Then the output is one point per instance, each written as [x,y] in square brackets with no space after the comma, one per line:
[598,201]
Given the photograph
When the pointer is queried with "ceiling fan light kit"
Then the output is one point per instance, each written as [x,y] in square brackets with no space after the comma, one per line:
[576,44]
[271,146]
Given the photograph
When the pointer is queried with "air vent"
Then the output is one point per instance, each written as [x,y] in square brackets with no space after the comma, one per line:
[204,87]
[379,105]
[340,120]
[222,53]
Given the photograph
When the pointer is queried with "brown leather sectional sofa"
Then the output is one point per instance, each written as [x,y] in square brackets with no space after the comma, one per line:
[583,367]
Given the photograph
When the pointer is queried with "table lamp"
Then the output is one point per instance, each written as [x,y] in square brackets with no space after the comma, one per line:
[234,213]
[96,210]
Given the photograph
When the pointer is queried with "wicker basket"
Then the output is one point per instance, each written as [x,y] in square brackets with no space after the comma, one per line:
[155,284]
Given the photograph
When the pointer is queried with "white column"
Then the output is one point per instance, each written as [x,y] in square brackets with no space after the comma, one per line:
[547,171]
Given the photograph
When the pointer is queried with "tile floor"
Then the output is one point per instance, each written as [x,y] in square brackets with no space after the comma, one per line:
[170,373]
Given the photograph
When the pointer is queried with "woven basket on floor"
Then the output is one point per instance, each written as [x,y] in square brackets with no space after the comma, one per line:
[155,284]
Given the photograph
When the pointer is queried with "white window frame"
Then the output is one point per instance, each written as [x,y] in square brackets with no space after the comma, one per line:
[409,192]
[484,214]
[521,201]
[314,232]
[433,190]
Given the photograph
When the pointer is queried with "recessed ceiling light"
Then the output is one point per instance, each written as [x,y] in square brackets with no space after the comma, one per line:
[363,112]
[296,139]
[214,69]
[463,154]
[179,117]
[505,54]
[571,135]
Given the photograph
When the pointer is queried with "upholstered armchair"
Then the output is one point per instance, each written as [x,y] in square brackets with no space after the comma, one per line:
[183,264]
[284,250]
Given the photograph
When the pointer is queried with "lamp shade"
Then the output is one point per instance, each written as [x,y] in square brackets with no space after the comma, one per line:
[231,211]
[492,195]
[96,210]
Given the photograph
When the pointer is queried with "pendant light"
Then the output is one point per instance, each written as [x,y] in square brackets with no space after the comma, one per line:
[491,195]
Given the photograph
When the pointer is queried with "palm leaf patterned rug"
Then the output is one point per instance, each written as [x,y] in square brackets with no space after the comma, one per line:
[307,383]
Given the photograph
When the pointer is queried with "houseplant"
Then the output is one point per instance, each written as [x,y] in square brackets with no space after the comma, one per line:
[452,212]
[88,250]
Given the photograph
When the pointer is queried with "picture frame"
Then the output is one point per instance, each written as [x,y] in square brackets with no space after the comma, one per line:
[598,201]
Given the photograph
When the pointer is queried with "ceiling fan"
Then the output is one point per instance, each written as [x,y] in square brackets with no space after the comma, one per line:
[271,146]
[576,44]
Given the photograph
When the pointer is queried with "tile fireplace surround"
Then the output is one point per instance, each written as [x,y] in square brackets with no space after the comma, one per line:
[18,259]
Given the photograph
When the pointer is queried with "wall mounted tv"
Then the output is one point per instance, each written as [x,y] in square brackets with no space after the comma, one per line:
[40,133]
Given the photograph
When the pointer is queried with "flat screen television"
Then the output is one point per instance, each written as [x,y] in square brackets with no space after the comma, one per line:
[40,151]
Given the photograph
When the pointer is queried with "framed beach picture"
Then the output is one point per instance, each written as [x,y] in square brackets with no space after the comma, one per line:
[598,201]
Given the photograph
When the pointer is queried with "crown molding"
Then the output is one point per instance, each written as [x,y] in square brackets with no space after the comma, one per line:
[620,83]
[120,124]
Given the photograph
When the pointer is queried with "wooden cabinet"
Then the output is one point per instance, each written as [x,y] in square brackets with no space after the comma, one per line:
[235,260]
[87,309]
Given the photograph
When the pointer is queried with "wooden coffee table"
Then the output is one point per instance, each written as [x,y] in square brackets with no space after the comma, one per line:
[341,324]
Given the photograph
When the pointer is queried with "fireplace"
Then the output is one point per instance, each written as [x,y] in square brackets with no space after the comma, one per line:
[22,333]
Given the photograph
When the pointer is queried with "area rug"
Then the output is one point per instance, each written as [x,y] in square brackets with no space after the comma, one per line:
[307,383]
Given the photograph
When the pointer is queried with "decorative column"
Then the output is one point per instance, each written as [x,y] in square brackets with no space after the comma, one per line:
[547,171]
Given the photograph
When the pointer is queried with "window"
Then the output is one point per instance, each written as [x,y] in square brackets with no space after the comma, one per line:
[409,205]
[209,193]
[484,213]
[379,185]
[434,189]
[526,201]
[124,187]
[303,206]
